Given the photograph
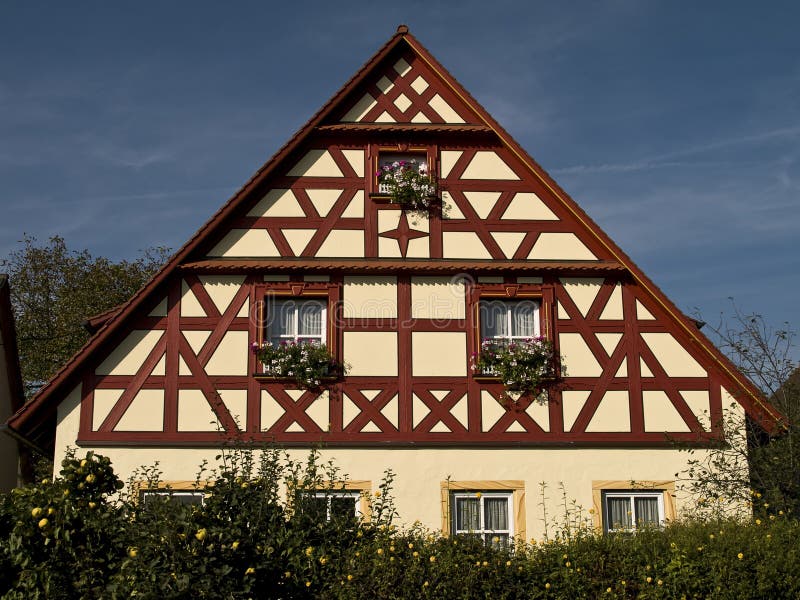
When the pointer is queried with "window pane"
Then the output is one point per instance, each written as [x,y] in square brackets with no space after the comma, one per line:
[497,540]
[646,511]
[280,320]
[523,318]
[343,507]
[494,319]
[316,506]
[495,512]
[310,319]
[468,514]
[619,513]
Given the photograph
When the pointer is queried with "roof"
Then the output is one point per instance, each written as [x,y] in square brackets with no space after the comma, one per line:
[32,418]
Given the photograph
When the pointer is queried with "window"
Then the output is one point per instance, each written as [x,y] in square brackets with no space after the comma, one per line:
[386,159]
[296,320]
[487,515]
[335,505]
[630,510]
[187,497]
[504,321]
[624,505]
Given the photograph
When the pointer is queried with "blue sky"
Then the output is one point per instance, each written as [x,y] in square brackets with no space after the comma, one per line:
[675,125]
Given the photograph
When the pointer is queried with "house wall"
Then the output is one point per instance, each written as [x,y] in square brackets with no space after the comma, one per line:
[9,457]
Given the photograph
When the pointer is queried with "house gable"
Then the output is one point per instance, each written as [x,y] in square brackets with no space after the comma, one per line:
[173,365]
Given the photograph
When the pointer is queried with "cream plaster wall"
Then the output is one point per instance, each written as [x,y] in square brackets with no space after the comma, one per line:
[439,298]
[420,472]
[343,243]
[560,246]
[230,357]
[277,203]
[370,297]
[578,359]
[371,353]
[488,165]
[316,163]
[463,244]
[438,353]
[676,361]
[245,243]
[130,354]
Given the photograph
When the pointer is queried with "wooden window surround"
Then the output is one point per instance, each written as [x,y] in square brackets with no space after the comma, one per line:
[542,294]
[381,153]
[140,488]
[516,487]
[300,291]
[665,487]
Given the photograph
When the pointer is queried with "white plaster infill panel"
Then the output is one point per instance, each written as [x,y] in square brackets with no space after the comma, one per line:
[660,414]
[277,203]
[560,246]
[245,243]
[370,297]
[578,359]
[104,401]
[527,206]
[444,110]
[190,307]
[128,357]
[440,298]
[448,161]
[439,353]
[221,288]
[582,291]
[356,160]
[572,401]
[145,413]
[371,353]
[230,357]
[488,165]
[613,308]
[195,413]
[316,163]
[360,109]
[343,243]
[463,244]
[612,414]
[677,362]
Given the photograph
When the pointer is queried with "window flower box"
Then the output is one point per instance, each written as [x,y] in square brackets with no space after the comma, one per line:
[309,365]
[408,183]
[525,367]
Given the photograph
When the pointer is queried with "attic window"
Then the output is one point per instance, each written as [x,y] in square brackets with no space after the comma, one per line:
[388,158]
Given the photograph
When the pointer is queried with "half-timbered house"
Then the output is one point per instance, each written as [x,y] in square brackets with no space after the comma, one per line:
[311,250]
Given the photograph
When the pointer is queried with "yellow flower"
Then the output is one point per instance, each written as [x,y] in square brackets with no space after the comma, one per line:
[391,548]
[711,536]
[132,552]
[200,535]
[309,551]
[36,512]
[308,584]
[51,511]
[92,505]
[622,582]
[758,521]
[591,511]
[287,574]
[432,559]
[660,582]
[568,564]
[425,584]
[780,512]
[508,563]
[323,560]
[391,559]
[547,586]
[740,556]
[766,504]
[495,540]
[379,550]
[485,563]
[478,494]
[43,523]
[84,462]
[410,545]
[565,556]
[234,545]
[608,590]
[349,578]
[649,580]
[377,493]
[772,517]
[90,478]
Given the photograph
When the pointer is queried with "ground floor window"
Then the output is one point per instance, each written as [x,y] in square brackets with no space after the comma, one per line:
[630,510]
[488,515]
[187,497]
[336,505]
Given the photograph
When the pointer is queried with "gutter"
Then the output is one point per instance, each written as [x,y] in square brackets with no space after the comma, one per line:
[5,428]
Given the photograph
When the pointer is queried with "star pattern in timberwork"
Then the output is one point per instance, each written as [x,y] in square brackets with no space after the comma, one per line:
[403,234]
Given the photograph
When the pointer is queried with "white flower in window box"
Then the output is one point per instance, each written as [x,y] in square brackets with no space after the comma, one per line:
[408,183]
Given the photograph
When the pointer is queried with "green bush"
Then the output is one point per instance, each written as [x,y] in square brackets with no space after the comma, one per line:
[257,535]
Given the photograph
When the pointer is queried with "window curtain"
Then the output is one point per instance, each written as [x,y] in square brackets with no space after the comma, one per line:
[494,319]
[310,320]
[646,511]
[468,514]
[522,318]
[619,513]
[495,512]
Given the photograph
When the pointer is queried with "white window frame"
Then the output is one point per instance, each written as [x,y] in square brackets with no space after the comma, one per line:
[631,495]
[508,318]
[485,534]
[386,157]
[170,493]
[328,496]
[273,305]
